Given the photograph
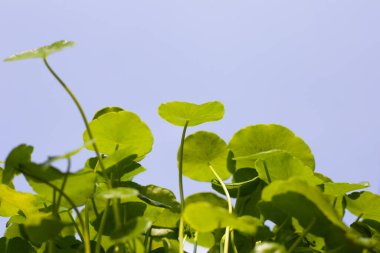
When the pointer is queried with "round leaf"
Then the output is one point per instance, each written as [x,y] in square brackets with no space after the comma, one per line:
[201,150]
[254,142]
[41,52]
[178,113]
[120,130]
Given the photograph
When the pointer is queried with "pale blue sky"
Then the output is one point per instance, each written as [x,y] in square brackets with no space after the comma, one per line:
[312,66]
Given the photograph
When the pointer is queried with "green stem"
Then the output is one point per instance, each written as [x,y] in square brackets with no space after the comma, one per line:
[76,226]
[304,233]
[101,228]
[180,180]
[227,233]
[195,242]
[66,175]
[267,172]
[233,241]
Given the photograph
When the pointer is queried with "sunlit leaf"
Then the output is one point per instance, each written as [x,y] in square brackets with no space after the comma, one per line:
[208,197]
[253,142]
[122,193]
[107,110]
[121,130]
[41,52]
[281,166]
[269,247]
[178,113]
[340,189]
[365,204]
[201,150]
[19,155]
[12,201]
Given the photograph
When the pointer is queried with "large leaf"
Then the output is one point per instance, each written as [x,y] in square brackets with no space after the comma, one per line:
[12,201]
[42,227]
[201,150]
[208,197]
[178,113]
[41,52]
[340,189]
[15,245]
[306,203]
[79,186]
[282,166]
[19,155]
[365,204]
[120,130]
[262,140]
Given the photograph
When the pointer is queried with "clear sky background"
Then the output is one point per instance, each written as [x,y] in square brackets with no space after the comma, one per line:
[312,66]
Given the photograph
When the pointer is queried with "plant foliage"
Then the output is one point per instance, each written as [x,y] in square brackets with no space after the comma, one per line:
[99,208]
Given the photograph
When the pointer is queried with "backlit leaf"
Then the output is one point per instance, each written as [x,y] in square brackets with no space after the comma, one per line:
[262,140]
[177,113]
[122,193]
[121,130]
[12,201]
[19,155]
[201,150]
[365,204]
[41,52]
[340,189]
[208,197]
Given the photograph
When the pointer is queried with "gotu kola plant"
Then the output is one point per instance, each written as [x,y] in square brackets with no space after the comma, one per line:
[100,208]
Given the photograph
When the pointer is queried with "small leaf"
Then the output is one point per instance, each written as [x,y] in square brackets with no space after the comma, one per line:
[340,189]
[121,130]
[122,193]
[19,155]
[41,52]
[365,204]
[178,113]
[201,150]
[257,141]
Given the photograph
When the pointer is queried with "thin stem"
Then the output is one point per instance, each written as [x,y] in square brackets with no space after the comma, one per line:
[101,228]
[95,208]
[267,172]
[233,241]
[66,175]
[227,233]
[358,218]
[304,233]
[180,166]
[76,226]
[195,242]
[180,232]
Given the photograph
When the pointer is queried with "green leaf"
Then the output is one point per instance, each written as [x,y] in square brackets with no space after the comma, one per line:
[340,189]
[41,52]
[236,189]
[42,227]
[365,204]
[208,197]
[15,245]
[122,193]
[19,155]
[305,203]
[253,142]
[132,229]
[107,110]
[160,195]
[178,113]
[201,150]
[79,186]
[121,130]
[282,166]
[269,247]
[12,201]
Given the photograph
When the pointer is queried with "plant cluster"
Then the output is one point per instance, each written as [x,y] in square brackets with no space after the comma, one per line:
[101,209]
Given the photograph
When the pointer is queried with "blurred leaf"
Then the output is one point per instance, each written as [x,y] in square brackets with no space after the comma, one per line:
[202,149]
[365,204]
[41,52]
[12,201]
[15,245]
[119,193]
[132,229]
[121,130]
[19,155]
[41,227]
[208,197]
[177,113]
[263,140]
[340,189]
[269,247]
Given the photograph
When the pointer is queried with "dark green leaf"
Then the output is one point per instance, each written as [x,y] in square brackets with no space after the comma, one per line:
[132,229]
[19,155]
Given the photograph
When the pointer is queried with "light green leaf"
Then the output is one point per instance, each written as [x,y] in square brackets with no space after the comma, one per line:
[178,113]
[201,150]
[269,247]
[304,202]
[42,227]
[41,52]
[257,141]
[12,201]
[208,197]
[122,193]
[365,204]
[340,189]
[121,130]
[132,229]
[281,166]
[107,110]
